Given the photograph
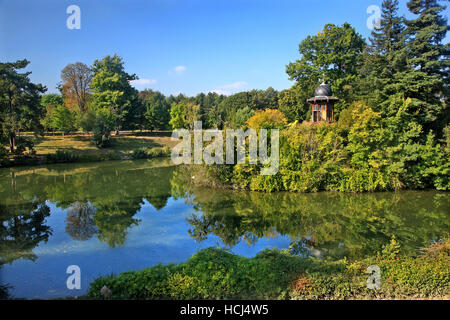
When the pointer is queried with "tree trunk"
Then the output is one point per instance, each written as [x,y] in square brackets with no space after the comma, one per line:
[12,135]
[12,141]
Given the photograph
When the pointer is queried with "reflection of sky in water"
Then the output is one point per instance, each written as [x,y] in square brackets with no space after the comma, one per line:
[161,237]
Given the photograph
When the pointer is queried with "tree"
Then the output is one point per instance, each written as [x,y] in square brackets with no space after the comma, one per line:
[211,115]
[388,36]
[242,115]
[49,102]
[111,88]
[267,119]
[333,56]
[192,113]
[177,117]
[156,110]
[292,103]
[76,80]
[426,80]
[382,59]
[63,119]
[20,101]
[184,114]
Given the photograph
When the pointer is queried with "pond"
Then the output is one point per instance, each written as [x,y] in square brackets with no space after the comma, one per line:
[110,217]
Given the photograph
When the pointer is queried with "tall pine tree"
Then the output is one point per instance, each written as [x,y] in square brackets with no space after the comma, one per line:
[388,36]
[426,79]
[383,58]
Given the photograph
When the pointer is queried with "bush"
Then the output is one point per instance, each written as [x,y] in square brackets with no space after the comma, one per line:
[209,274]
[3,152]
[23,145]
[276,274]
[101,132]
[61,156]
[149,153]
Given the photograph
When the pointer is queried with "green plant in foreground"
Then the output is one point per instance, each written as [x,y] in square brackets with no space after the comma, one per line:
[276,274]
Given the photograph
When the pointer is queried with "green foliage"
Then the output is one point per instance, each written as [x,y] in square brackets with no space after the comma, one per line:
[101,131]
[20,101]
[111,89]
[177,116]
[184,114]
[209,274]
[50,102]
[242,115]
[156,110]
[334,54]
[272,274]
[62,119]
[362,152]
[267,119]
[3,152]
[229,108]
[292,103]
[149,153]
[88,121]
[392,250]
[24,145]
[62,156]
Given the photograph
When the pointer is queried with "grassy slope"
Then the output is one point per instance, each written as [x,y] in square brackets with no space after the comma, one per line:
[80,146]
[122,145]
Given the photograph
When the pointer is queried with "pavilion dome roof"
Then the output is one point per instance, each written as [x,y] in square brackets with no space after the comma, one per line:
[323,93]
[323,90]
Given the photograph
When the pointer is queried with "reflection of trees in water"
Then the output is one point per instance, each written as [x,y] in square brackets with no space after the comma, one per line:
[22,229]
[4,291]
[333,224]
[114,219]
[228,227]
[99,198]
[80,224]
[158,202]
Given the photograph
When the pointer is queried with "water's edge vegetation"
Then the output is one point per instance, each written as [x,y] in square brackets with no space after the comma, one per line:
[214,273]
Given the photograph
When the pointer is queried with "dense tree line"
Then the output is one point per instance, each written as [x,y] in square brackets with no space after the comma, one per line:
[391,120]
[392,128]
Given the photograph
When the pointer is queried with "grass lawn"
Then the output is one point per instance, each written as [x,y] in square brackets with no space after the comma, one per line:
[122,145]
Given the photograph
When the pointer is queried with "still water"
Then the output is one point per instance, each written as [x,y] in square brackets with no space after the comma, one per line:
[111,217]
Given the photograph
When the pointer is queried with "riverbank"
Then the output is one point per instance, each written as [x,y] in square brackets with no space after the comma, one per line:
[78,147]
[279,274]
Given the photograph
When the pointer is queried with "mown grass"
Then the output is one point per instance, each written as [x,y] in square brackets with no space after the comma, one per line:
[78,147]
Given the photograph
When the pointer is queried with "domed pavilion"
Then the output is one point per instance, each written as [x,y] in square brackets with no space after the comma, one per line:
[323,104]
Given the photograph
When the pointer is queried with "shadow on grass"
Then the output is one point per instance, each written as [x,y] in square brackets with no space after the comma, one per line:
[127,143]
[152,134]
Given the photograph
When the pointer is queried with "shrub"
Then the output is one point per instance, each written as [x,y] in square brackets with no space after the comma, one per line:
[149,153]
[101,132]
[209,274]
[61,156]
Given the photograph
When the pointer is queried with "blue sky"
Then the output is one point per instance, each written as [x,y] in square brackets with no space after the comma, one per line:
[174,46]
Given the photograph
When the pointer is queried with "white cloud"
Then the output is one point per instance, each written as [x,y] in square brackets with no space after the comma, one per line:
[230,88]
[221,92]
[142,82]
[178,70]
[234,85]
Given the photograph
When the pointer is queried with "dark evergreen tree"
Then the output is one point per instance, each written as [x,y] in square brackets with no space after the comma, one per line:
[382,59]
[20,101]
[426,79]
[387,37]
